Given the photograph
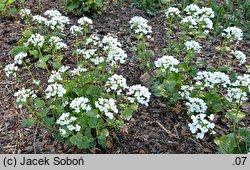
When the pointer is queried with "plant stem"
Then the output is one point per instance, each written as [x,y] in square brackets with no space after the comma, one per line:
[234,126]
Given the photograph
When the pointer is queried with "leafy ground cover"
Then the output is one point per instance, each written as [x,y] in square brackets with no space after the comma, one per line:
[158,128]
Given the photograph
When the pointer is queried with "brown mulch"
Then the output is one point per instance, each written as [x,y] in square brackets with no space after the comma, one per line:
[155,129]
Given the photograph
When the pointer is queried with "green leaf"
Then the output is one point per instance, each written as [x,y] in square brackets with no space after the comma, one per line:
[235,115]
[80,141]
[27,122]
[93,122]
[3,1]
[128,111]
[27,33]
[102,138]
[43,112]
[9,2]
[18,49]
[39,103]
[227,144]
[92,113]
[42,62]
[169,85]
[49,121]
[34,53]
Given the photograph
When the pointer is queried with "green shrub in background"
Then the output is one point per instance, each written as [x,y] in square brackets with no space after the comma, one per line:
[86,6]
[5,7]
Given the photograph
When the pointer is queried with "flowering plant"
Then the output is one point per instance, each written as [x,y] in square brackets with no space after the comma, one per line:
[80,103]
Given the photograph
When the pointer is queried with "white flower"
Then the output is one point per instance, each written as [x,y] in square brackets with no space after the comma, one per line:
[196,105]
[77,128]
[24,12]
[138,93]
[80,103]
[85,21]
[115,53]
[18,58]
[77,71]
[35,40]
[75,30]
[208,24]
[190,21]
[52,13]
[93,39]
[242,81]
[207,12]
[62,131]
[192,45]
[56,20]
[140,25]
[54,76]
[39,19]
[167,62]
[86,54]
[186,91]
[23,94]
[201,124]
[240,56]
[172,12]
[233,33]
[36,82]
[192,9]
[97,60]
[236,95]
[210,79]
[108,106]
[63,69]
[55,90]
[10,69]
[116,83]
[57,43]
[65,119]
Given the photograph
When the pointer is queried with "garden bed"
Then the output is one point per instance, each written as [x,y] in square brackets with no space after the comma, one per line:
[157,128]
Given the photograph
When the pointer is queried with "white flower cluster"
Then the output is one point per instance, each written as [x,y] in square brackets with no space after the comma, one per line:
[66,120]
[56,20]
[201,124]
[192,46]
[233,33]
[93,39]
[55,90]
[172,11]
[85,21]
[212,78]
[116,83]
[240,56]
[10,69]
[108,106]
[236,95]
[140,25]
[138,93]
[198,17]
[185,91]
[115,53]
[56,75]
[77,71]
[242,81]
[196,105]
[75,30]
[18,58]
[39,19]
[167,62]
[57,43]
[35,40]
[80,103]
[24,12]
[86,54]
[23,95]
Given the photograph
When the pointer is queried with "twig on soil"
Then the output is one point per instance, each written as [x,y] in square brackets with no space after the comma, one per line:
[167,131]
[34,140]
